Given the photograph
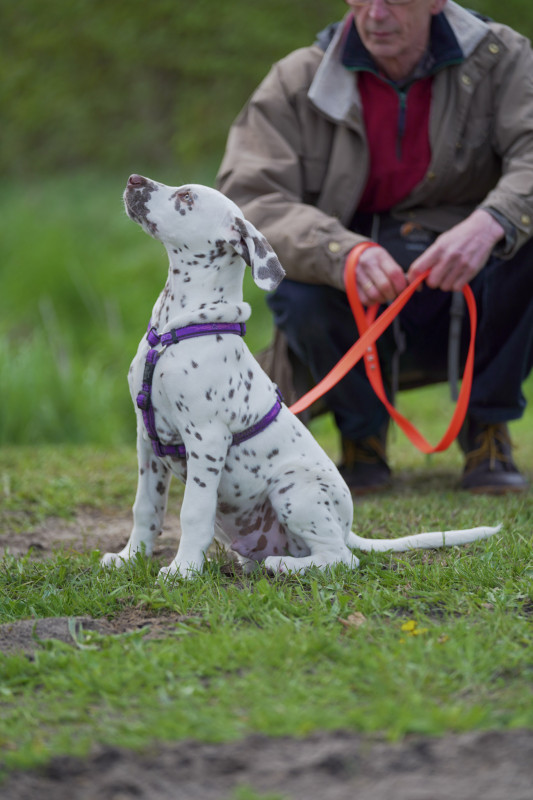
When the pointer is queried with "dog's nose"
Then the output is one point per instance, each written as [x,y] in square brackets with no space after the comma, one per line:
[136,180]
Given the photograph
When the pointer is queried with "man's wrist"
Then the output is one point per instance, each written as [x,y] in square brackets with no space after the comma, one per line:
[506,242]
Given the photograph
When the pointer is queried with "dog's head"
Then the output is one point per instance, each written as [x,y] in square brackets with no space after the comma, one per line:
[201,220]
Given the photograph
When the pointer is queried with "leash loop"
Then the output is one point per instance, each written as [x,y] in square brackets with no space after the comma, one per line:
[370,329]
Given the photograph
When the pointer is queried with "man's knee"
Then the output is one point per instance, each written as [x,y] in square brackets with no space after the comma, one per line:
[306,308]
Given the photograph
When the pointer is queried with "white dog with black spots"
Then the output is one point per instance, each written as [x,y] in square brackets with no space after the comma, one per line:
[275,498]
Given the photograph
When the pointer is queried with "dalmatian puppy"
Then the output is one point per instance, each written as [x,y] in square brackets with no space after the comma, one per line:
[275,497]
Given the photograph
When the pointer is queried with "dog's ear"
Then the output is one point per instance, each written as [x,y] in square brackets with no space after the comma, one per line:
[252,246]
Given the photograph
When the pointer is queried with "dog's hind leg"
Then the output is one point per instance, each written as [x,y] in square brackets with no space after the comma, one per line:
[149,506]
[316,524]
[321,559]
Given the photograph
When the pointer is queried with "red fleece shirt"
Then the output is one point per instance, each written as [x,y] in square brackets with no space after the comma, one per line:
[397,128]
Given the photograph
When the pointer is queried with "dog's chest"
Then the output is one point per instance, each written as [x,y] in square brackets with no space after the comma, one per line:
[200,380]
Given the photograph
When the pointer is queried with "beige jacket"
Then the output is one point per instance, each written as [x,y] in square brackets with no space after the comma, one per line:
[296,157]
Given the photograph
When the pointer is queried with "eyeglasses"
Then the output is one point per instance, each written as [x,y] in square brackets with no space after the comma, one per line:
[387,2]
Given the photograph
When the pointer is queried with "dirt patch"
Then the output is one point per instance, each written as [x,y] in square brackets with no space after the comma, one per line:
[91,530]
[28,635]
[336,766]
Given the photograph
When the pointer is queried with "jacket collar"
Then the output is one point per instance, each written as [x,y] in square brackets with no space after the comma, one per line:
[333,91]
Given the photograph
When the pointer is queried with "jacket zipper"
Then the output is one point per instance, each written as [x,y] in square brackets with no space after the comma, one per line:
[402,116]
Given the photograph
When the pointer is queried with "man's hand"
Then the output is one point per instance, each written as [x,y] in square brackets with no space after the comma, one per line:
[460,253]
[379,278]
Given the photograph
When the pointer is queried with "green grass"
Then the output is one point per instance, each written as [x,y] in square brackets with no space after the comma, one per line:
[276,658]
[280,656]
[261,654]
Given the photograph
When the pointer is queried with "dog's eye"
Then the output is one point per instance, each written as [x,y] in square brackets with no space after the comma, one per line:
[187,196]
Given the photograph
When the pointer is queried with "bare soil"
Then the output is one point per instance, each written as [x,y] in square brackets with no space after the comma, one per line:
[326,766]
[91,530]
[493,765]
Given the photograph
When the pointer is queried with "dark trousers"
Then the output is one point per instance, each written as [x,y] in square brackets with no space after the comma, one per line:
[319,326]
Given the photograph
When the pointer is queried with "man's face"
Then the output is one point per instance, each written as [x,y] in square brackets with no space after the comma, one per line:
[395,35]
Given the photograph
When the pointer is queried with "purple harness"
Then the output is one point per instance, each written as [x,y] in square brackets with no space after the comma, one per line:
[144,398]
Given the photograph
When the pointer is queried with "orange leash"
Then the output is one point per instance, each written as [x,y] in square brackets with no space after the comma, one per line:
[370,329]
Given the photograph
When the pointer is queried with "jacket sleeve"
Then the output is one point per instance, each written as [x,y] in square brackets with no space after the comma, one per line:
[512,137]
[264,167]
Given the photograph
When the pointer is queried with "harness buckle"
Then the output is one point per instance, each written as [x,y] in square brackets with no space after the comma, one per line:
[143,400]
[153,336]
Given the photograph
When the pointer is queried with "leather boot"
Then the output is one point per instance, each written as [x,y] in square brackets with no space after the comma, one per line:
[489,466]
[364,463]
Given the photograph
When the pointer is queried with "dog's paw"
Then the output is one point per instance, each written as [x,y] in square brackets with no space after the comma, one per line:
[111,560]
[290,564]
[176,570]
[249,566]
[128,553]
[284,565]
[121,559]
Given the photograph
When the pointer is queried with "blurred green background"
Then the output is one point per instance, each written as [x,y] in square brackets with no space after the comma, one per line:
[116,84]
[90,91]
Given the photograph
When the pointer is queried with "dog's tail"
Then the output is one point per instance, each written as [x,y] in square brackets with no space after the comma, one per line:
[421,541]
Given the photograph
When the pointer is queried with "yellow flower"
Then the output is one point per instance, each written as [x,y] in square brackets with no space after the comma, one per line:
[411,628]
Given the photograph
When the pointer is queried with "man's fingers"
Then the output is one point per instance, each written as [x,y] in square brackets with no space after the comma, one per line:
[379,278]
[458,254]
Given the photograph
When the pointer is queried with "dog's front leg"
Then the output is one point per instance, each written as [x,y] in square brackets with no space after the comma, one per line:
[149,506]
[198,510]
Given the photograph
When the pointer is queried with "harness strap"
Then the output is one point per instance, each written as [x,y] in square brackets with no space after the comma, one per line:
[203,329]
[370,329]
[144,398]
[263,423]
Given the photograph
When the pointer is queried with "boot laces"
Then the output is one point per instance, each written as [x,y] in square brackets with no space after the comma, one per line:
[494,444]
[368,451]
